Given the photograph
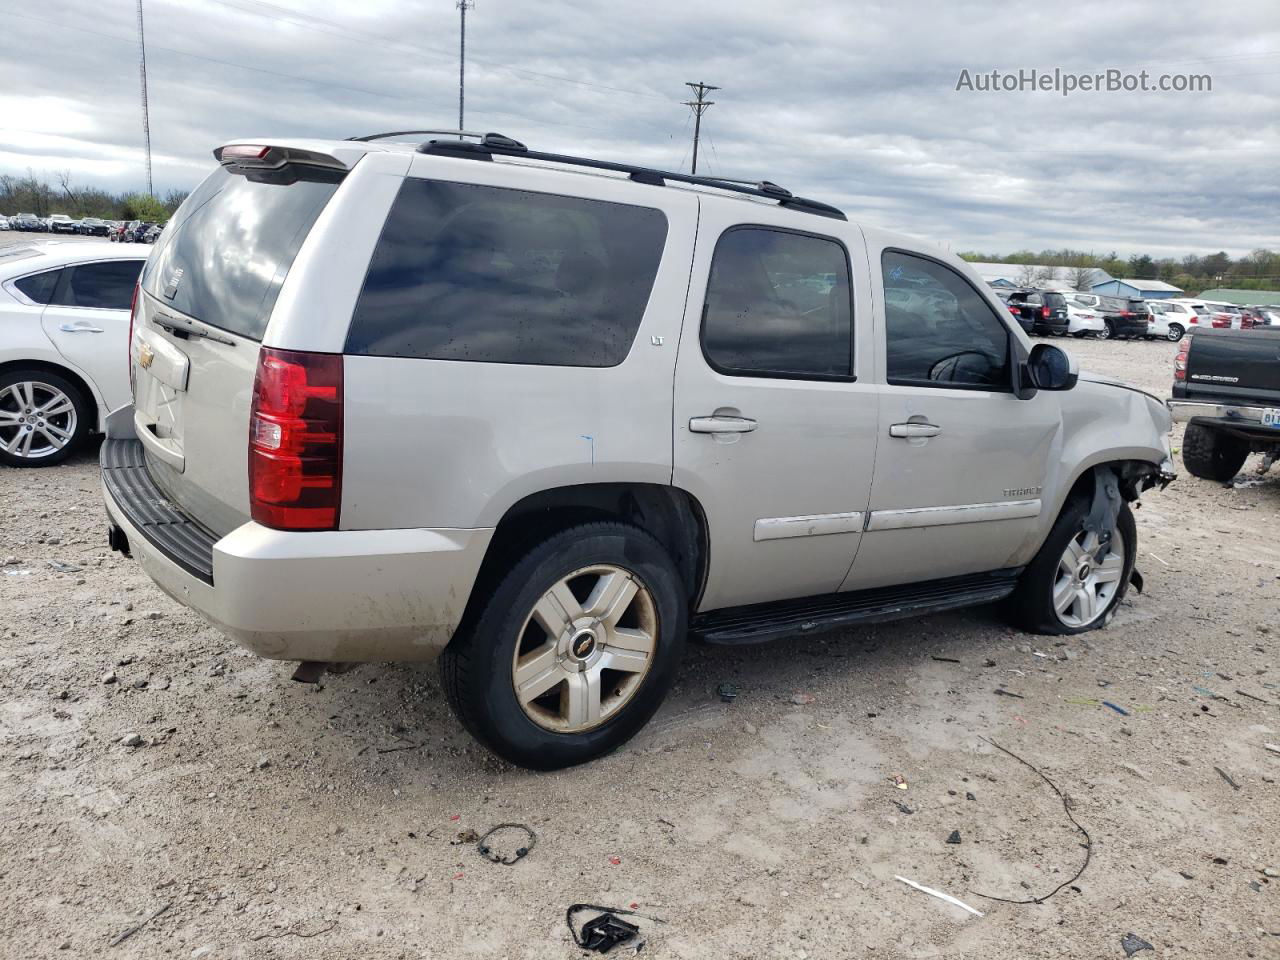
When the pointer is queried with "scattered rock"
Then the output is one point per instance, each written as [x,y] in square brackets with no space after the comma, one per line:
[199,953]
[132,740]
[955,837]
[1270,872]
[1131,943]
[109,677]
[264,763]
[153,615]
[970,796]
[60,567]
[218,669]
[800,699]
[140,683]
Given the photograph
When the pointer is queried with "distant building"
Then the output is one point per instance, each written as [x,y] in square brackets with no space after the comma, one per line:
[1010,275]
[1143,289]
[1242,298]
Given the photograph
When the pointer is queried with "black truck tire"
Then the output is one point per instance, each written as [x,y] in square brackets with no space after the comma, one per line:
[1212,454]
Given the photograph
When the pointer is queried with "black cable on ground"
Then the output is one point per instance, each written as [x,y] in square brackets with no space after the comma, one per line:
[1088,843]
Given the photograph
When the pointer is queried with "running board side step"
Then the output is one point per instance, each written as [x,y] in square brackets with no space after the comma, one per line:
[759,622]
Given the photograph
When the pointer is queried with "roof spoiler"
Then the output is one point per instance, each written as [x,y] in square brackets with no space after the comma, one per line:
[258,157]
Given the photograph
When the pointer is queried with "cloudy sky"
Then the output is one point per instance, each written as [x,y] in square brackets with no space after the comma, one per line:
[852,103]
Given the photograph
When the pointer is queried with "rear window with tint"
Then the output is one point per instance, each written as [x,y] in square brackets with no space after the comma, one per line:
[490,274]
[1055,300]
[225,253]
[101,286]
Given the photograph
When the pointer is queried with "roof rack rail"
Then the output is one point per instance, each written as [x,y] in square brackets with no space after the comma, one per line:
[408,133]
[491,144]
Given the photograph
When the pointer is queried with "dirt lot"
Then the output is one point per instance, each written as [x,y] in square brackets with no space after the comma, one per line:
[263,818]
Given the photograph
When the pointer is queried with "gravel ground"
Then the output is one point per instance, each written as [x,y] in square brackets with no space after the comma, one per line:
[151,773]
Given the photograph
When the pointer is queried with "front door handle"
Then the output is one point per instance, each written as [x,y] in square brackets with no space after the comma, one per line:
[79,328]
[721,425]
[914,430]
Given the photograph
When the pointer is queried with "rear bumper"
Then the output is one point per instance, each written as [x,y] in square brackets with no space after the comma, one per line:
[1242,421]
[1051,326]
[332,596]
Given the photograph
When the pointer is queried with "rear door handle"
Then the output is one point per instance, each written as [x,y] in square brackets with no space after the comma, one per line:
[914,430]
[79,328]
[721,425]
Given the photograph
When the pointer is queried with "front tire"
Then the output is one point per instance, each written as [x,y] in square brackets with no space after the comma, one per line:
[1108,331]
[573,651]
[1073,585]
[44,418]
[1212,454]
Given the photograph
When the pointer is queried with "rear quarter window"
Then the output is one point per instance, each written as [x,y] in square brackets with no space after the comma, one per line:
[497,275]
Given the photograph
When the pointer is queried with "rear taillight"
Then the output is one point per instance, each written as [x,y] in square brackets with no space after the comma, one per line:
[295,440]
[1126,313]
[133,314]
[1180,362]
[1044,312]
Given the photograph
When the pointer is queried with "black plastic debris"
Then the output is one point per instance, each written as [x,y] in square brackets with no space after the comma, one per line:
[486,851]
[727,692]
[1131,943]
[955,837]
[603,932]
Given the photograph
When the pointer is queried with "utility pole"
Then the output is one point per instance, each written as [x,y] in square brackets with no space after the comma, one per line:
[146,117]
[699,107]
[463,7]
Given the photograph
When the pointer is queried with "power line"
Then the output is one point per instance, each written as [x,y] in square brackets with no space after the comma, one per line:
[146,114]
[699,107]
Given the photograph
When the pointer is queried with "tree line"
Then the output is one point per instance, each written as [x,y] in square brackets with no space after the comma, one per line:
[1258,270]
[32,194]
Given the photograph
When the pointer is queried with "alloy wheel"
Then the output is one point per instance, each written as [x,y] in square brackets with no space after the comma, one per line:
[36,420]
[1088,577]
[585,649]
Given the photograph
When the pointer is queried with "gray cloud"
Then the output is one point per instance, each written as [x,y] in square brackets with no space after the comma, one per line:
[850,103]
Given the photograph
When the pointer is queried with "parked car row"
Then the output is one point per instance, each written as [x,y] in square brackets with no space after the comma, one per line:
[123,231]
[1054,313]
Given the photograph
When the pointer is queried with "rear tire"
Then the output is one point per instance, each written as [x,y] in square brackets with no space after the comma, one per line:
[551,628]
[1047,579]
[44,418]
[1176,332]
[1108,331]
[1212,454]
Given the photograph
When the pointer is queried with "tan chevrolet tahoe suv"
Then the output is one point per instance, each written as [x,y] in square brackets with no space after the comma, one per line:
[542,417]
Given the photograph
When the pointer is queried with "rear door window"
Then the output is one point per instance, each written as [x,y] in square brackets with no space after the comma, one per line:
[778,306]
[1055,300]
[225,253]
[102,286]
[498,275]
[39,287]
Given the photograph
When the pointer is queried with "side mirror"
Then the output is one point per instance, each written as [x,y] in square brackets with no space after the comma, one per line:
[1052,368]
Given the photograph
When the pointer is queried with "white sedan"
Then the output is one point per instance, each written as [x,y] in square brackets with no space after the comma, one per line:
[1082,320]
[64,332]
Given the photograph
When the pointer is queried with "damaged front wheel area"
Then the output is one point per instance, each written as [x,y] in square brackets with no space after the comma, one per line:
[1080,574]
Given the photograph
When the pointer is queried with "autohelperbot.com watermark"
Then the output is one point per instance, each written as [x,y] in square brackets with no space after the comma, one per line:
[1065,82]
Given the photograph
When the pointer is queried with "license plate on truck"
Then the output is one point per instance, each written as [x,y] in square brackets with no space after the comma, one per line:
[1271,417]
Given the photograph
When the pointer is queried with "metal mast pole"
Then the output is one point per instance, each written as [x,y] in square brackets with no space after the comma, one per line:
[463,6]
[699,107]
[146,116]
